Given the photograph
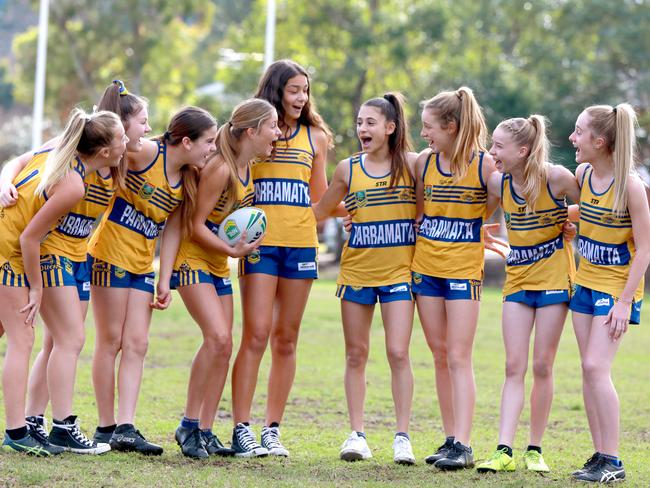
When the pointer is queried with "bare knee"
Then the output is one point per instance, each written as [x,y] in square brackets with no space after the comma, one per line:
[542,369]
[398,358]
[593,370]
[22,339]
[136,348]
[255,342]
[516,368]
[219,344]
[72,344]
[356,357]
[439,350]
[459,359]
[284,344]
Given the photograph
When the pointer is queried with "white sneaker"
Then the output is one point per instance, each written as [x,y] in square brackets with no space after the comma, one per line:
[271,441]
[355,448]
[403,452]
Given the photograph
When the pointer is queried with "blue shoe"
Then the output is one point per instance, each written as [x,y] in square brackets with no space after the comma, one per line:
[244,443]
[214,446]
[30,445]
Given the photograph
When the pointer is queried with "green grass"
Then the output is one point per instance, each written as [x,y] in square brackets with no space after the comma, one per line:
[316,419]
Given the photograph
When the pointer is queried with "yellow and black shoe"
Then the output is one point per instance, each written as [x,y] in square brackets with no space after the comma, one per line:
[499,461]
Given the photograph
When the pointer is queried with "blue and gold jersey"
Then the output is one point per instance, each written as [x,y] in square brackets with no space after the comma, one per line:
[605,242]
[282,191]
[14,219]
[191,256]
[126,235]
[450,240]
[380,247]
[70,237]
[539,258]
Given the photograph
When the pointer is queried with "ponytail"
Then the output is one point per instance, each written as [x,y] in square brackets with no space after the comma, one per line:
[84,134]
[531,133]
[190,178]
[391,105]
[616,126]
[461,107]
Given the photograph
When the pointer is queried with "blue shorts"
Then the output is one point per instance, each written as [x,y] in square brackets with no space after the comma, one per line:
[55,271]
[285,262]
[111,276]
[539,298]
[186,277]
[368,295]
[596,303]
[447,288]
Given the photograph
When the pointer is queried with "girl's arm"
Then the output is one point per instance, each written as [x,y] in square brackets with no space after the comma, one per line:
[563,183]
[335,192]
[61,199]
[213,181]
[169,244]
[494,200]
[637,205]
[418,174]
[488,169]
[318,181]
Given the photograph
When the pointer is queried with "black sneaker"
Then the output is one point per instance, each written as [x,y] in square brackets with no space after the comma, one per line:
[127,438]
[30,445]
[604,470]
[458,457]
[244,443]
[191,442]
[37,427]
[441,452]
[102,437]
[214,446]
[68,436]
[590,462]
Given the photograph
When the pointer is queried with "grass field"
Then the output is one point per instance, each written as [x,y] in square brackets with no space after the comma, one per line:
[316,420]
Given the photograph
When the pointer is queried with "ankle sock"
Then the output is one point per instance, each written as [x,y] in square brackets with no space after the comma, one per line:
[190,423]
[534,448]
[109,429]
[274,424]
[15,434]
[506,447]
[614,459]
[403,434]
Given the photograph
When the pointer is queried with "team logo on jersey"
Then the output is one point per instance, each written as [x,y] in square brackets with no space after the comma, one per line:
[254,257]
[545,220]
[99,266]
[361,198]
[608,218]
[146,191]
[475,282]
[405,195]
[428,193]
[467,196]
[120,272]
[7,267]
[417,278]
[230,229]
[184,267]
[506,217]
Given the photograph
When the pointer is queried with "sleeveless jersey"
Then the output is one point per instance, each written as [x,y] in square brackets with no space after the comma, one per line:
[605,242]
[380,247]
[126,235]
[450,240]
[539,258]
[14,219]
[282,191]
[191,255]
[70,237]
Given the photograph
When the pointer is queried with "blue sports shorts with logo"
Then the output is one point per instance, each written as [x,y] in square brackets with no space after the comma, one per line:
[596,303]
[55,271]
[110,276]
[539,298]
[186,277]
[285,262]
[447,288]
[369,295]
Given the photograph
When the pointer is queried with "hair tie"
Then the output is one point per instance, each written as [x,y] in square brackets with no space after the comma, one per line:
[167,136]
[459,94]
[614,109]
[122,88]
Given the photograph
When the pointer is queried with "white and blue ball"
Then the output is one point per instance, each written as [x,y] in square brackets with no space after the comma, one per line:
[249,219]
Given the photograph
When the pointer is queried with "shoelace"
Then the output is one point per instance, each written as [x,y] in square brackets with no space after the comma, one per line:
[271,438]
[589,461]
[497,454]
[533,456]
[246,439]
[41,429]
[80,436]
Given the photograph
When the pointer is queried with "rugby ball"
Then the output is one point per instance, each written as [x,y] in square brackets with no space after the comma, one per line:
[249,219]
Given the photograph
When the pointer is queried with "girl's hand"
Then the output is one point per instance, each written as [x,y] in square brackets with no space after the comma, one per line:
[242,249]
[417,223]
[618,319]
[569,231]
[8,195]
[33,305]
[163,296]
[492,243]
[347,223]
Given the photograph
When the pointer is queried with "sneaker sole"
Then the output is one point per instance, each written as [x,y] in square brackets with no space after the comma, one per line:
[119,448]
[454,467]
[405,461]
[40,453]
[223,452]
[491,470]
[93,451]
[252,454]
[278,452]
[432,459]
[352,456]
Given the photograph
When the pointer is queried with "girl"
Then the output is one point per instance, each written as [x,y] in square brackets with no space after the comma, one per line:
[48,188]
[539,270]
[201,272]
[159,177]
[448,260]
[132,111]
[614,255]
[276,279]
[379,193]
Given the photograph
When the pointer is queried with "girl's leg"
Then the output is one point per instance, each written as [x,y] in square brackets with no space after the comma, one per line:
[210,365]
[596,370]
[109,311]
[433,317]
[257,295]
[61,311]
[517,324]
[582,328]
[20,339]
[135,342]
[462,318]
[291,300]
[549,323]
[356,319]
[398,324]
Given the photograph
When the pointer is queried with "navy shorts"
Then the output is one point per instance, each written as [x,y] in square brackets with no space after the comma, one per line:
[188,277]
[538,298]
[596,303]
[447,288]
[111,276]
[285,262]
[369,295]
